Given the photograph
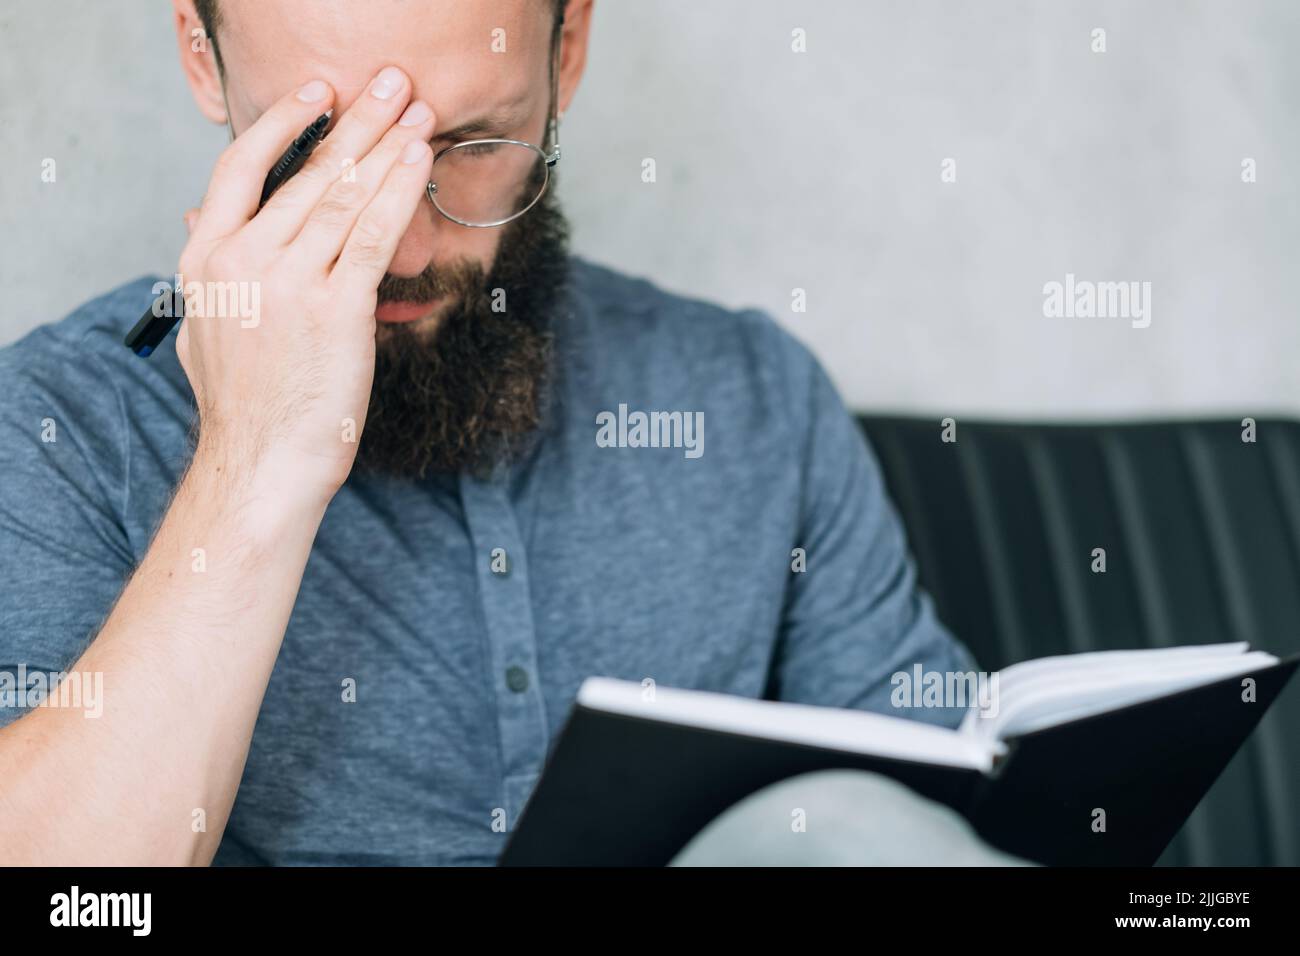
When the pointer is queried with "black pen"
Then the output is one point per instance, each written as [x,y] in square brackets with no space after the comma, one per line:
[169,308]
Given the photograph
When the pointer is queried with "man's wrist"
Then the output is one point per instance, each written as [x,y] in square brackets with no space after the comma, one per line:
[266,493]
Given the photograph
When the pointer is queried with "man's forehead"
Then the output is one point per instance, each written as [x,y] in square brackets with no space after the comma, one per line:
[482,55]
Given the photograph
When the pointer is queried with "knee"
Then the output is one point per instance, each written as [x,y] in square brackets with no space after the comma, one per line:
[836,817]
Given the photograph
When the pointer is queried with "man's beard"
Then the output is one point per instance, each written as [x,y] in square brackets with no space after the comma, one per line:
[466,395]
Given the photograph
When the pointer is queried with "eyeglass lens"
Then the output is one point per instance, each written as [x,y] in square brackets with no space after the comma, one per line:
[483,183]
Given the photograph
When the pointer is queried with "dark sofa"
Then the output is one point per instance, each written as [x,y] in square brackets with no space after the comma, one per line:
[1201,532]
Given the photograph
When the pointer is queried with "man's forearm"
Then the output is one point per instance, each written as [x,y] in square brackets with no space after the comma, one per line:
[185,655]
[187,651]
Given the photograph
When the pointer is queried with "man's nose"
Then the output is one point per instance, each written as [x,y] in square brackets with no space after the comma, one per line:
[419,243]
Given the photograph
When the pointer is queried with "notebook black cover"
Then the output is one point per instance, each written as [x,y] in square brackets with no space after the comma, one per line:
[628,791]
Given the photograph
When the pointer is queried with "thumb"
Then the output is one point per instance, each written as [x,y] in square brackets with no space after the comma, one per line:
[190,218]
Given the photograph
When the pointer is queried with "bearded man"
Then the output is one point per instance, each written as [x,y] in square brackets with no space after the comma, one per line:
[343,568]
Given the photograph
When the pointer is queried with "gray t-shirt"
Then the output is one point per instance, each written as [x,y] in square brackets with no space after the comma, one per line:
[631,562]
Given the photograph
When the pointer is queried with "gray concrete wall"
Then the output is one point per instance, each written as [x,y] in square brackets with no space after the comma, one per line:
[818,170]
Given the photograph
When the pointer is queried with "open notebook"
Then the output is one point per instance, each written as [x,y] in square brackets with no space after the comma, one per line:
[1139,735]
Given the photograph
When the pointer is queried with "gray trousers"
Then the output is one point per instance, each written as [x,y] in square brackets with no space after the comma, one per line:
[839,818]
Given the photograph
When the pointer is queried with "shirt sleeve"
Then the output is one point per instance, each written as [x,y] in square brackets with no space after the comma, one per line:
[64,553]
[855,617]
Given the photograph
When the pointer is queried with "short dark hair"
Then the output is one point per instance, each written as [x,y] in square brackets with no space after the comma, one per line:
[210,16]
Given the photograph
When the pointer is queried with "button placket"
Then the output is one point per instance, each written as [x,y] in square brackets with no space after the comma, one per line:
[511,639]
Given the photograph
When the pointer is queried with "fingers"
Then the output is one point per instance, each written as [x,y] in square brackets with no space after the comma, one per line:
[355,134]
[373,240]
[236,185]
[331,221]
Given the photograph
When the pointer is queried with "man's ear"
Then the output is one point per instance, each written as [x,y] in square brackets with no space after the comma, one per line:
[573,48]
[199,61]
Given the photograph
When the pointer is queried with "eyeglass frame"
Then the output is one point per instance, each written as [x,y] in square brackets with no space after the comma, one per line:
[552,135]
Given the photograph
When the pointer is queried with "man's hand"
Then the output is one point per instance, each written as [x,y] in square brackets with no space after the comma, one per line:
[187,656]
[285,393]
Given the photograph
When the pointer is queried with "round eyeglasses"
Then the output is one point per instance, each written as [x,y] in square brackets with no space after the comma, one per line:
[489,182]
[484,182]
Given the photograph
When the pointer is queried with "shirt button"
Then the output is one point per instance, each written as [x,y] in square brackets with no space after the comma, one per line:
[517,679]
